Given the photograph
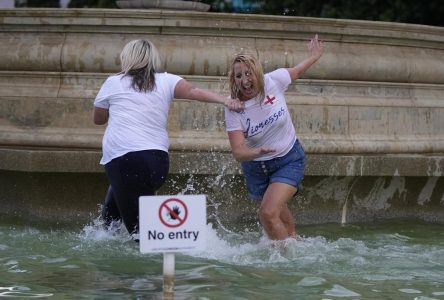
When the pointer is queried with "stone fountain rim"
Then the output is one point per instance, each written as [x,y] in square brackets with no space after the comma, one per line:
[163,4]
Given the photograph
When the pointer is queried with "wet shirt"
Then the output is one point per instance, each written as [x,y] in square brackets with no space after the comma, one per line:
[137,120]
[267,122]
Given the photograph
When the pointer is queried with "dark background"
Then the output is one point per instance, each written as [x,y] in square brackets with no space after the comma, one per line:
[429,12]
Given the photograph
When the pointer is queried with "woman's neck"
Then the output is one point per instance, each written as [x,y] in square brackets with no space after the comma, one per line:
[244,98]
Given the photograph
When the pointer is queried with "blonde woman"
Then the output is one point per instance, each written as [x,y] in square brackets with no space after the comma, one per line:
[135,104]
[264,140]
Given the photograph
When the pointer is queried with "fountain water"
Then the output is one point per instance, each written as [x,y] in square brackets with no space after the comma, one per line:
[370,114]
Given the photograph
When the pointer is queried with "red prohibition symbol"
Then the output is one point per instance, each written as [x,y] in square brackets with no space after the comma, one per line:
[173,212]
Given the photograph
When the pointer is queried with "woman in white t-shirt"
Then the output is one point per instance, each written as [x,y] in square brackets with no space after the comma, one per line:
[135,104]
[264,140]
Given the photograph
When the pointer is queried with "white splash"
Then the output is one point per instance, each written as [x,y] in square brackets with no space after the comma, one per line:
[427,191]
[379,197]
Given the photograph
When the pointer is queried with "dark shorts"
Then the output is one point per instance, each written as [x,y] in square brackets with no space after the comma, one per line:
[286,169]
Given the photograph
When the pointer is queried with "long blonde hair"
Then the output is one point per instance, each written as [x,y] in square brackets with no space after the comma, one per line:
[140,60]
[256,70]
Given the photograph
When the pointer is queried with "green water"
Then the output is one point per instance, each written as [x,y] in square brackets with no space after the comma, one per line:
[403,260]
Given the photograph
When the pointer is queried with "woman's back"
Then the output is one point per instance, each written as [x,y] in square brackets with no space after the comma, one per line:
[137,120]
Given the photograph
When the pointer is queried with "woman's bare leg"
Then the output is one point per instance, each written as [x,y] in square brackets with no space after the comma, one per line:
[273,202]
[288,219]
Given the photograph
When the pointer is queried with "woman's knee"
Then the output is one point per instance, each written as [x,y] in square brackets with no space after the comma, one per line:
[268,212]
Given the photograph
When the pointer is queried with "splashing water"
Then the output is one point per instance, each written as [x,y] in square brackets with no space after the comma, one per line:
[389,261]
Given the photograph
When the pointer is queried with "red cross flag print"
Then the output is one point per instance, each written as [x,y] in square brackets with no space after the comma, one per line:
[172,223]
[269,99]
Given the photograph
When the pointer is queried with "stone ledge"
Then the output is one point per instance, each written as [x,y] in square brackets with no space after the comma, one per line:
[222,163]
[283,26]
[90,41]
[164,4]
[204,140]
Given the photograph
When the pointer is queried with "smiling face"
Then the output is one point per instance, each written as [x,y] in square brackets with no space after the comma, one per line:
[246,78]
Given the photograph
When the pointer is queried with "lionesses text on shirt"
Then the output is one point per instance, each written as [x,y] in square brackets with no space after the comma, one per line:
[253,130]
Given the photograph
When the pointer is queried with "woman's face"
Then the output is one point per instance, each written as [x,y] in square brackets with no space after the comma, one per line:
[245,81]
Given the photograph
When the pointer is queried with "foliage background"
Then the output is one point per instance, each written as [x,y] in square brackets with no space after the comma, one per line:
[429,12]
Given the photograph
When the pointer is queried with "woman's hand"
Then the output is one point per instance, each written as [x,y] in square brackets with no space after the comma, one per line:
[316,47]
[265,150]
[234,105]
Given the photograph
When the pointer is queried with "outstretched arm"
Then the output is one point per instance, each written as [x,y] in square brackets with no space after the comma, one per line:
[316,48]
[185,90]
[241,151]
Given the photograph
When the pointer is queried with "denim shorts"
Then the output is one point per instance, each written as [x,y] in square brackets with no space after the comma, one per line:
[286,169]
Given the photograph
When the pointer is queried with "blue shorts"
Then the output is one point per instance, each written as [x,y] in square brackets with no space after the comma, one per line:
[286,169]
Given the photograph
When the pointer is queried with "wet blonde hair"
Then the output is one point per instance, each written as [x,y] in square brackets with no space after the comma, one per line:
[256,70]
[140,60]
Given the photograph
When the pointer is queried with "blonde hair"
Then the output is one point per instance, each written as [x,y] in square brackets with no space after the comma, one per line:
[140,60]
[256,70]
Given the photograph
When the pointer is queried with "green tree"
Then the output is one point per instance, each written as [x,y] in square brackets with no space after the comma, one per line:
[428,12]
[42,3]
[93,3]
[407,11]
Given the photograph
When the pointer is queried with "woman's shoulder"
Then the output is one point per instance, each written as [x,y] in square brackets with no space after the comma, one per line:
[114,78]
[280,72]
[166,78]
[281,76]
[166,75]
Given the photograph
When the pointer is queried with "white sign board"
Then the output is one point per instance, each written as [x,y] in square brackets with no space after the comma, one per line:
[172,223]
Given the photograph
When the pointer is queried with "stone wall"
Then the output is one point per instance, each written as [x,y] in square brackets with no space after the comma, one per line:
[371,109]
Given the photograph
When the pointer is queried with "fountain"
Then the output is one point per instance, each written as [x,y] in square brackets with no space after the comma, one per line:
[370,113]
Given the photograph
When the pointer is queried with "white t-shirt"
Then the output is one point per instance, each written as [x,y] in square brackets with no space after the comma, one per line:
[268,123]
[137,121]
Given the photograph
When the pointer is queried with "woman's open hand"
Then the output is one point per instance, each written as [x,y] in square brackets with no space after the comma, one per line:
[235,105]
[316,46]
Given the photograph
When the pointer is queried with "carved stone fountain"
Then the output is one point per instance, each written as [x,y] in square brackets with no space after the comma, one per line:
[370,113]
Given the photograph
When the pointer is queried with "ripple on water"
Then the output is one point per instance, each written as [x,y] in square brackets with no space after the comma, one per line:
[54,260]
[438,293]
[311,281]
[410,291]
[21,292]
[340,291]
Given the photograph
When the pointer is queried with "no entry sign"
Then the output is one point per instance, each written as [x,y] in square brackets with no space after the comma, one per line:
[172,223]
